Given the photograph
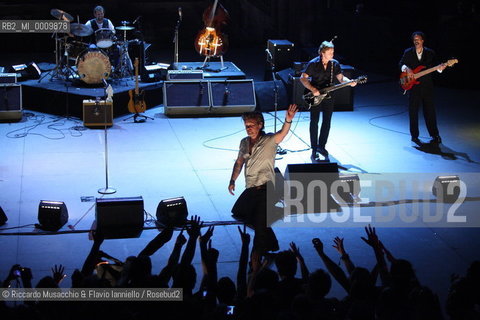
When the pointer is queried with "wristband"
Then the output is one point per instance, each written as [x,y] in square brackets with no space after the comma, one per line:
[288,121]
[232,181]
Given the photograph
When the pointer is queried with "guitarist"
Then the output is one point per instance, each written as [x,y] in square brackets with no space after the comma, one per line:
[422,93]
[319,73]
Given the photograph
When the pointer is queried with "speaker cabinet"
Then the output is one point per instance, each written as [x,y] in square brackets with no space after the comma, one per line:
[186,97]
[119,217]
[52,215]
[321,175]
[10,102]
[265,94]
[232,96]
[282,53]
[344,97]
[97,113]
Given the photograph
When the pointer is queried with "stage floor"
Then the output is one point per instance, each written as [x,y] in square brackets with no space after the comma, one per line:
[47,157]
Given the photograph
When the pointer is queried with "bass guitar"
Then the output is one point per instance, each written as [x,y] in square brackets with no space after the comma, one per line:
[312,101]
[407,82]
[137,102]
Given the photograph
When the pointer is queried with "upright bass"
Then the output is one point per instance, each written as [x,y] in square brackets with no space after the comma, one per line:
[210,41]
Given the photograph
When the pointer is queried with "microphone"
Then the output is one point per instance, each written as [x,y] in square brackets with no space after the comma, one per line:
[180,13]
[136,20]
[105,83]
[269,53]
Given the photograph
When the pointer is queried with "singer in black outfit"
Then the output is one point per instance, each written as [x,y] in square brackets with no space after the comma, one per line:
[422,93]
[322,72]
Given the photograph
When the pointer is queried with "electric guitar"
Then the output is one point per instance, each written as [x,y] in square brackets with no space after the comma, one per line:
[313,101]
[407,82]
[137,103]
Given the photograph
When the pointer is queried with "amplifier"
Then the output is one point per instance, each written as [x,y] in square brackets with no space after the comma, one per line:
[282,53]
[186,97]
[11,102]
[97,113]
[8,78]
[232,96]
[185,75]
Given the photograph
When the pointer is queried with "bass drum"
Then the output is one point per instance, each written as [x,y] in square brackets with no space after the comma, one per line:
[93,66]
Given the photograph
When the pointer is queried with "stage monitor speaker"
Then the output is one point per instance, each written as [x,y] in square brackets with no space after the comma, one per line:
[27,71]
[172,212]
[94,113]
[3,217]
[305,173]
[52,215]
[119,217]
[186,97]
[232,96]
[265,93]
[11,102]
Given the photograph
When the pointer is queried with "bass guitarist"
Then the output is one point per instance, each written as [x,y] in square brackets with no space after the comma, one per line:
[421,93]
[321,72]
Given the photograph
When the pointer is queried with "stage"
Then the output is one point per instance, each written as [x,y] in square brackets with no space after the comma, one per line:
[50,157]
[64,97]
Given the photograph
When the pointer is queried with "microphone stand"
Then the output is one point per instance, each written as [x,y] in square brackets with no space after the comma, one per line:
[275,96]
[107,189]
[175,39]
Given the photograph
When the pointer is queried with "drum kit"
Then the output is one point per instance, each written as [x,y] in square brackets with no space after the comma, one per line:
[93,62]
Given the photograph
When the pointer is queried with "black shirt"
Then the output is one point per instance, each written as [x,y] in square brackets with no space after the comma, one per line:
[321,77]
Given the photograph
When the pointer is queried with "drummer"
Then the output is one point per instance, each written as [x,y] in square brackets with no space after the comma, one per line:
[100,22]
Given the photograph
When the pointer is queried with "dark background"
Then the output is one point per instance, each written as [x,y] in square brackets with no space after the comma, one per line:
[372,34]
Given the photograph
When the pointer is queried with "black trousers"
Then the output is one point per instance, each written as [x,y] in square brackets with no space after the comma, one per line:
[251,208]
[318,141]
[422,96]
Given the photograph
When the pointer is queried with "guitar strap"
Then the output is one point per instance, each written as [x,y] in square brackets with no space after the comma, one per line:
[331,72]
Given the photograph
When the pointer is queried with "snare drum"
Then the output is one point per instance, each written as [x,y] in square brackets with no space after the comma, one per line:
[93,66]
[104,38]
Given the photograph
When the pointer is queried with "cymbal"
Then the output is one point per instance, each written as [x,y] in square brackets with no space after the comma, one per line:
[80,30]
[61,15]
[125,28]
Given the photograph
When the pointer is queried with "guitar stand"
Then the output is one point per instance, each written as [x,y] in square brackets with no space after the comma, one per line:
[135,117]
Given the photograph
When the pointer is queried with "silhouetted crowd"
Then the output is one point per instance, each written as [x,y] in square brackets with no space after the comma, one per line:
[266,286]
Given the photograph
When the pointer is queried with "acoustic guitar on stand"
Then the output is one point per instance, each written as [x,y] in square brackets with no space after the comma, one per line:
[137,98]
[407,82]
